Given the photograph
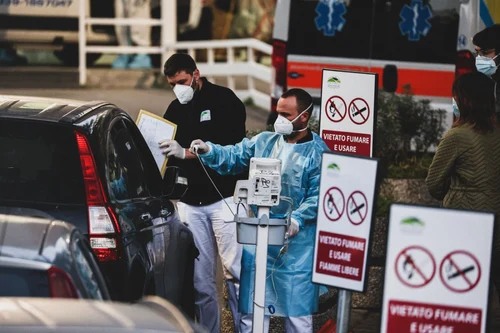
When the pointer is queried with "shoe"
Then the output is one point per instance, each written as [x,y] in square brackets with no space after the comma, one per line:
[121,62]
[140,61]
[9,57]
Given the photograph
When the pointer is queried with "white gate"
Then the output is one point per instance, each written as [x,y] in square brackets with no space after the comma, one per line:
[229,68]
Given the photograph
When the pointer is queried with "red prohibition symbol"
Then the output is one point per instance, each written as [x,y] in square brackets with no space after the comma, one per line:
[415,266]
[460,271]
[334,204]
[359,111]
[336,109]
[357,207]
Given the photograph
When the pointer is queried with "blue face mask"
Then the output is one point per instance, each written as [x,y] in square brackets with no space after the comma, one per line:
[486,65]
[456,111]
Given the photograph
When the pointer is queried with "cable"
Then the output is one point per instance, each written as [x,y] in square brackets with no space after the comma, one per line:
[273,270]
[195,150]
[206,172]
[282,250]
[260,306]
[238,207]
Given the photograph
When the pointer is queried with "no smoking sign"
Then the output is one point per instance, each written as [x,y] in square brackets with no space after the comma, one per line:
[434,283]
[336,109]
[334,204]
[357,206]
[460,271]
[359,111]
[415,267]
[345,213]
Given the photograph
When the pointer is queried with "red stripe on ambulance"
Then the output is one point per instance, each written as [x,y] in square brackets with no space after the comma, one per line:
[423,82]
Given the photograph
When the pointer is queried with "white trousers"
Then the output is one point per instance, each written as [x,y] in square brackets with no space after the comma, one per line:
[133,34]
[292,324]
[212,233]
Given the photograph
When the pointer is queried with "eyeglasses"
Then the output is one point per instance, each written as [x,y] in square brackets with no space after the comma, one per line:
[483,52]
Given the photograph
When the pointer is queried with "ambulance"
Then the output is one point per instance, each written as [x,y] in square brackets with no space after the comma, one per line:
[422,44]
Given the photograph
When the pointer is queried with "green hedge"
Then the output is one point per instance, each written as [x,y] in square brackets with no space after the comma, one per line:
[403,121]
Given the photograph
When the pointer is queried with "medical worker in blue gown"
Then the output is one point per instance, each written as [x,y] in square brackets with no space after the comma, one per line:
[289,290]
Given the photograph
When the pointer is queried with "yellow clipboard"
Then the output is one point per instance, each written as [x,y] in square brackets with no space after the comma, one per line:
[155,129]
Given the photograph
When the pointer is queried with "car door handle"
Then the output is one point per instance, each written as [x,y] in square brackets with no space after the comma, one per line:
[146,217]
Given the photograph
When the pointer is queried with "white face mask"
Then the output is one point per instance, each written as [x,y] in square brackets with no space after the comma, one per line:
[486,65]
[284,126]
[184,93]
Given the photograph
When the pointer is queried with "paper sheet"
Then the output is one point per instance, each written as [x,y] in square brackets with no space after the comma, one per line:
[155,129]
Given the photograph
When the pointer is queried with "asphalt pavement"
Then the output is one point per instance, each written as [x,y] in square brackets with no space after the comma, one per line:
[131,100]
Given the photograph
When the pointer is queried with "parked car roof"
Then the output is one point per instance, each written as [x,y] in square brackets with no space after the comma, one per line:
[25,237]
[46,109]
[153,314]
[36,249]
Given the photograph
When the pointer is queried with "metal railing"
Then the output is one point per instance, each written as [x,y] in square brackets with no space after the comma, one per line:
[167,22]
[228,68]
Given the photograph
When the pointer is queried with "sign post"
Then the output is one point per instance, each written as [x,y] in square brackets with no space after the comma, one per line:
[437,270]
[348,111]
[345,211]
[347,125]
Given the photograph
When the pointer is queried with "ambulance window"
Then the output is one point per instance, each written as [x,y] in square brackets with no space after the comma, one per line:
[438,45]
[353,41]
[372,31]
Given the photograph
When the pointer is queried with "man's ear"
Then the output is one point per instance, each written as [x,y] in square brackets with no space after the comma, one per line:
[307,116]
[196,74]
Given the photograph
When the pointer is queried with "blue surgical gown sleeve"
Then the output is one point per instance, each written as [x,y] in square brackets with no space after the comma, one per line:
[308,208]
[229,159]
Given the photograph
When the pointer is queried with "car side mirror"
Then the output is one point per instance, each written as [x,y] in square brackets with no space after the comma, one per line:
[175,183]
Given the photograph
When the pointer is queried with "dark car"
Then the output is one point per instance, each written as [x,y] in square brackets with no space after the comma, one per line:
[89,165]
[41,257]
[36,315]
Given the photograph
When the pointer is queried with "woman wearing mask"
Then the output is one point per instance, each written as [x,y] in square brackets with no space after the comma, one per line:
[465,170]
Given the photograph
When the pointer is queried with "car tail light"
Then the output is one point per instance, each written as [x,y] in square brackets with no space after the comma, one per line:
[60,284]
[279,72]
[103,226]
[465,63]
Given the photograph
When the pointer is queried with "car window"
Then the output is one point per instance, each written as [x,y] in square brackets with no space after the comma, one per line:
[153,177]
[126,175]
[39,162]
[87,270]
[371,30]
[23,282]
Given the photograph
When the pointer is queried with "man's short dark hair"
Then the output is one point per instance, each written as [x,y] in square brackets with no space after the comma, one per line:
[304,100]
[179,62]
[488,38]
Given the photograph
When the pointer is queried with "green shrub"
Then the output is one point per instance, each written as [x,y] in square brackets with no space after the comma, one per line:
[249,102]
[403,121]
[413,167]
[314,125]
